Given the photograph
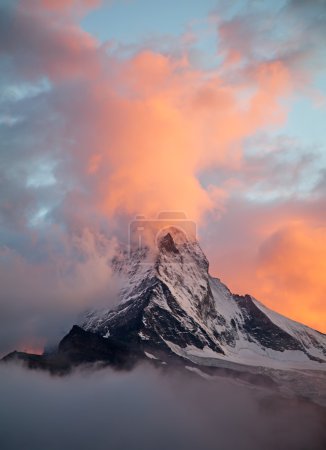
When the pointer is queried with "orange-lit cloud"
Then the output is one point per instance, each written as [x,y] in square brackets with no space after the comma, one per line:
[57,5]
[171,124]
[278,255]
[145,128]
[33,345]
[291,273]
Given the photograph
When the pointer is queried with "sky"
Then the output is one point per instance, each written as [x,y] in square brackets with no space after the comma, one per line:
[116,108]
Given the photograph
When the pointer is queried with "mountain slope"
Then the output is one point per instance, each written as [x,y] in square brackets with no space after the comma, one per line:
[170,303]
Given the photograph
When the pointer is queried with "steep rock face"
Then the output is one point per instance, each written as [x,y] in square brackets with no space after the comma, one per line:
[170,302]
[80,347]
[262,330]
[157,306]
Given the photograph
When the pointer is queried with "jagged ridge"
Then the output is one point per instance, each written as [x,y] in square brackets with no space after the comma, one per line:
[171,303]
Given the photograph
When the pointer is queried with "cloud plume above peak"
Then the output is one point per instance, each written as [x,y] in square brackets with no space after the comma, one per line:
[129,128]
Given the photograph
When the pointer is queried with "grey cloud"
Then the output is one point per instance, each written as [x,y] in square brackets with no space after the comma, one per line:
[291,31]
[41,297]
[148,410]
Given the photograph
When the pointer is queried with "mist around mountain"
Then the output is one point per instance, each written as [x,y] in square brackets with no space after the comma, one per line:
[149,409]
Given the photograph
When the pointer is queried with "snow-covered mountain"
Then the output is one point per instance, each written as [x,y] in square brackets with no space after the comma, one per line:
[169,304]
[174,315]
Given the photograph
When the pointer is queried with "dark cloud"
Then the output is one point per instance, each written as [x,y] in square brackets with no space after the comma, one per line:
[148,410]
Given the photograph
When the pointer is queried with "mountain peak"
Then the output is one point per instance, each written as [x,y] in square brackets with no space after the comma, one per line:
[171,309]
[166,243]
[170,303]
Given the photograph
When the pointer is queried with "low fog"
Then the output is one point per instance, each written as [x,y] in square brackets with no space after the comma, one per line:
[149,410]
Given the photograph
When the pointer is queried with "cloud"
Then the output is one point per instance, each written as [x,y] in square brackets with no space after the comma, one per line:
[41,299]
[292,265]
[148,409]
[42,44]
[76,7]
[144,120]
[275,252]
[292,32]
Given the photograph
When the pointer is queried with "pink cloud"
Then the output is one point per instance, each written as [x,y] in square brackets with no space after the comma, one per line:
[276,253]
